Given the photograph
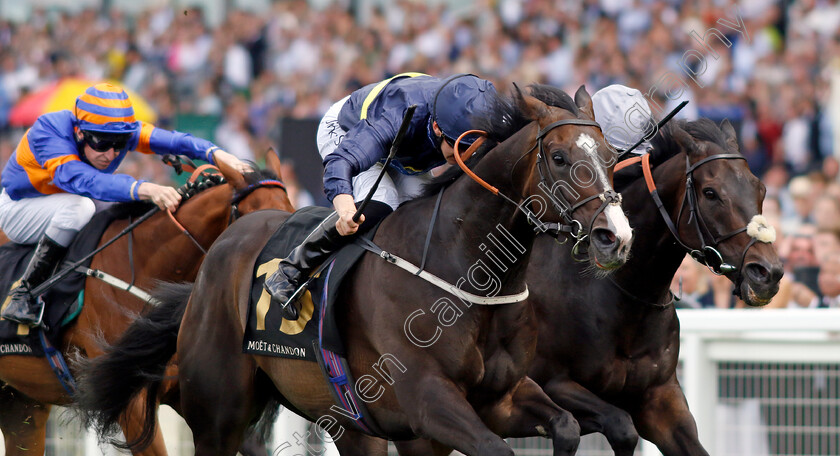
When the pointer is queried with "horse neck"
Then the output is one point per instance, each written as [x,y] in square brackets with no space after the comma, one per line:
[485,228]
[648,272]
[205,216]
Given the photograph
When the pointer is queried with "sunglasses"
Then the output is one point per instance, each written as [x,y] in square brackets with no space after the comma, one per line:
[711,258]
[103,142]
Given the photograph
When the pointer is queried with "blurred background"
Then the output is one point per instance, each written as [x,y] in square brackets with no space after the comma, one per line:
[253,74]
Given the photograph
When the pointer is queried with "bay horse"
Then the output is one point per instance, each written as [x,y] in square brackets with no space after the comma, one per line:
[160,252]
[608,347]
[459,378]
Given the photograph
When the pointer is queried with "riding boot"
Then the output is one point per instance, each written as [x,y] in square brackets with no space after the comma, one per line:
[22,307]
[322,242]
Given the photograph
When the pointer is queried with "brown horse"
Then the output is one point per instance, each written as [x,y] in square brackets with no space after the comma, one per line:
[608,348]
[458,378]
[160,252]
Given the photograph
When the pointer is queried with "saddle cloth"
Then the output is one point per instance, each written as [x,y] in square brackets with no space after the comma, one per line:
[267,333]
[64,300]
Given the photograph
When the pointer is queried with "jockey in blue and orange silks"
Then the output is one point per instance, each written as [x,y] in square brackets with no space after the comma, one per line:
[354,138]
[64,162]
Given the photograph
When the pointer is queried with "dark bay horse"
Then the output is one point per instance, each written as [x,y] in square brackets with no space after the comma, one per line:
[160,252]
[608,348]
[456,373]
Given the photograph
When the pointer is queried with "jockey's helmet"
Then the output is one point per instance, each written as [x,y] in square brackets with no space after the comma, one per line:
[106,117]
[624,115]
[457,100]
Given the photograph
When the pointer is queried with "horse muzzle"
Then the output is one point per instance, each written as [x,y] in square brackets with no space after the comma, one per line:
[759,282]
[610,244]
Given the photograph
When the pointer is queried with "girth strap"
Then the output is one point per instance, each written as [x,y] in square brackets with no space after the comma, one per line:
[437,281]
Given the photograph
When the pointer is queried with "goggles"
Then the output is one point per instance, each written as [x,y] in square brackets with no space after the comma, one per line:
[102,142]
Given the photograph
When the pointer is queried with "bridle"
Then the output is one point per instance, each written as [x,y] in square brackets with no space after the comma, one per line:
[241,195]
[570,225]
[708,253]
[560,203]
[206,176]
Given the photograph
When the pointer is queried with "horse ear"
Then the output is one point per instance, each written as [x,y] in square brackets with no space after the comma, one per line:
[531,107]
[272,162]
[687,142]
[233,176]
[729,132]
[584,101]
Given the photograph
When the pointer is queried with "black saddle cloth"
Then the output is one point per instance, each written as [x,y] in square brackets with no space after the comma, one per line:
[267,333]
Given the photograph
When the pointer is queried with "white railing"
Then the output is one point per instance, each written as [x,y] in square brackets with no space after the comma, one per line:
[774,372]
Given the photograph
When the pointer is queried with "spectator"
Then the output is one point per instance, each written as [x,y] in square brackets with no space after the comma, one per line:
[691,286]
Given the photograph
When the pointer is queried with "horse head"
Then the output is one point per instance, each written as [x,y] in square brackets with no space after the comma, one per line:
[571,172]
[258,190]
[720,217]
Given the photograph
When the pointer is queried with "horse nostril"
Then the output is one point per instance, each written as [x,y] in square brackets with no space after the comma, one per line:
[604,237]
[758,273]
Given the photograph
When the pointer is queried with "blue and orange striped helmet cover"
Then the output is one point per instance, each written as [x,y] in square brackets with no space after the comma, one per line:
[106,108]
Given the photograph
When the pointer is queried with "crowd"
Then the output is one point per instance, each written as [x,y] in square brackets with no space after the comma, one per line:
[773,80]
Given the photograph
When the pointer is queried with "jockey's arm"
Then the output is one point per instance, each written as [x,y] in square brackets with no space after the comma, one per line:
[160,141]
[362,147]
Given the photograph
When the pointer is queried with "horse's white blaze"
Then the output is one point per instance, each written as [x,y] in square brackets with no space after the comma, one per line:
[618,223]
[588,144]
[616,220]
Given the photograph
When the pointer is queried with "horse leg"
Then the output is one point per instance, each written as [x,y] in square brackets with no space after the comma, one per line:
[132,423]
[526,411]
[664,419]
[352,443]
[421,447]
[23,422]
[217,400]
[436,408]
[596,415]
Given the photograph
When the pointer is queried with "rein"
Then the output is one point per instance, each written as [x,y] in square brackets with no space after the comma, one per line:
[190,189]
[707,255]
[572,226]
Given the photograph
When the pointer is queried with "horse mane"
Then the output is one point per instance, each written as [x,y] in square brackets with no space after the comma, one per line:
[707,130]
[665,146]
[502,121]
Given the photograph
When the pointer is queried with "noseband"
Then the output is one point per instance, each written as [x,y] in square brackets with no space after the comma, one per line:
[708,254]
[571,226]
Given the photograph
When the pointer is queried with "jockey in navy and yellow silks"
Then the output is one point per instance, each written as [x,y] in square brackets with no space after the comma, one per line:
[354,138]
[68,159]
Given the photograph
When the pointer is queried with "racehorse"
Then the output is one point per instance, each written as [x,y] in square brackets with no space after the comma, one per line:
[462,382]
[160,251]
[608,347]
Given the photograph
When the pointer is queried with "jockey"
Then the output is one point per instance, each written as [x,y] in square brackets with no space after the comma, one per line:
[625,117]
[354,138]
[64,162]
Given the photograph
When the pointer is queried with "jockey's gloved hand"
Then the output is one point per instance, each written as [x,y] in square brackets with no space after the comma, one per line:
[346,209]
[164,197]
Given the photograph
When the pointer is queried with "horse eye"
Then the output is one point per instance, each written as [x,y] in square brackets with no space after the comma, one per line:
[710,194]
[558,158]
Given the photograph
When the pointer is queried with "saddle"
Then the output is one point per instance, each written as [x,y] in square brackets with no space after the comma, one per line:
[65,299]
